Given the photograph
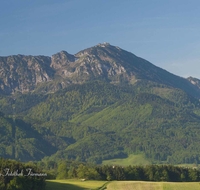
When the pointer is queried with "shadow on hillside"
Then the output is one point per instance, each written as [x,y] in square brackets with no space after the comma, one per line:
[52,185]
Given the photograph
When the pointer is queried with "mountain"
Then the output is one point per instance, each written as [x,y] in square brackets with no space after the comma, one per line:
[100,103]
[102,62]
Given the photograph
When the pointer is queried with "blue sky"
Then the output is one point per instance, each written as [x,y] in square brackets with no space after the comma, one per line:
[164,32]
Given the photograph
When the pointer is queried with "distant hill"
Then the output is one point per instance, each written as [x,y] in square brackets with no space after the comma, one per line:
[100,103]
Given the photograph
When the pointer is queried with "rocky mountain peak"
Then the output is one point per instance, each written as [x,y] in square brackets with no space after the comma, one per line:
[61,59]
[104,44]
[100,62]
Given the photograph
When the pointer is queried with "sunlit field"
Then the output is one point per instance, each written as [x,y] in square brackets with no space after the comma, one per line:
[131,160]
[132,185]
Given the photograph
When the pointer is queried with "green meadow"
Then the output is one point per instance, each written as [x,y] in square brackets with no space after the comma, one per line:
[133,185]
[132,159]
[137,159]
[72,184]
[119,185]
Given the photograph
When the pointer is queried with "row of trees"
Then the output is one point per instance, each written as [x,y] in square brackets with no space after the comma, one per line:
[145,173]
[22,176]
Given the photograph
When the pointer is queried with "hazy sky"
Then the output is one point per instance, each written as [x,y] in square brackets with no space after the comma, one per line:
[164,32]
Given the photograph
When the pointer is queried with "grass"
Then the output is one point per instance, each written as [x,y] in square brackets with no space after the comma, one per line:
[131,160]
[72,184]
[138,159]
[133,185]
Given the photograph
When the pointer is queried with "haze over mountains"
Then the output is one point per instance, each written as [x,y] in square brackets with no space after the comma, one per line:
[100,103]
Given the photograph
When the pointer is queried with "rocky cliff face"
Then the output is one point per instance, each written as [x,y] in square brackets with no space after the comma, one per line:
[98,62]
[102,62]
[23,73]
[194,81]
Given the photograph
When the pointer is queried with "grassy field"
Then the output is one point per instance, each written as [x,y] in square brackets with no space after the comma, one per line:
[131,160]
[133,185]
[119,185]
[138,159]
[73,184]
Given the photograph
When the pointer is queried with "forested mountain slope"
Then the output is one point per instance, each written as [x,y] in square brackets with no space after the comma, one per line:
[100,103]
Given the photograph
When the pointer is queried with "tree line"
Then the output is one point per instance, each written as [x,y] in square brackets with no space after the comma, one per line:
[15,175]
[168,173]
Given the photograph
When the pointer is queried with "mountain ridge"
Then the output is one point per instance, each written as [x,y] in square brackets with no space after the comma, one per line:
[101,62]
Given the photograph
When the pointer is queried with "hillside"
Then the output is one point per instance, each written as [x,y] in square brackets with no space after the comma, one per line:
[98,104]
